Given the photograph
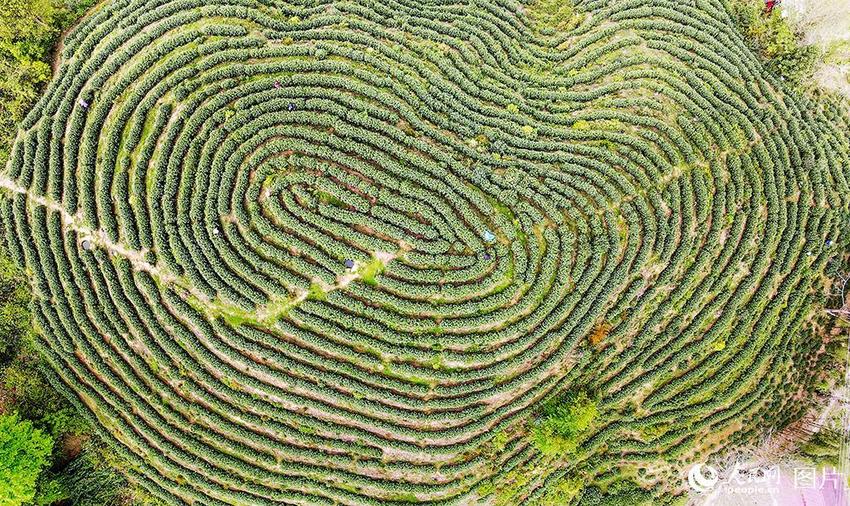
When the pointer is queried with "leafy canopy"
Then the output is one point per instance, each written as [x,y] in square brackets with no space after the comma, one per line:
[562,423]
[29,30]
[24,453]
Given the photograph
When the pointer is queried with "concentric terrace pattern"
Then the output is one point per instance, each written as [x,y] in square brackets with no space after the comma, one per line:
[327,252]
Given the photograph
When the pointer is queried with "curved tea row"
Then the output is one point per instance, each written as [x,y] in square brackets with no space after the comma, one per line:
[326,252]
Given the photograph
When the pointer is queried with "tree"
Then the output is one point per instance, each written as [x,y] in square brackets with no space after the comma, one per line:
[29,30]
[564,420]
[24,453]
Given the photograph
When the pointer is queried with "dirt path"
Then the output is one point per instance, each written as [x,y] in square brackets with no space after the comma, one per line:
[99,238]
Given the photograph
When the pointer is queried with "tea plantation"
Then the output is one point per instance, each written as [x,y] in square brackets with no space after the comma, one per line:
[434,251]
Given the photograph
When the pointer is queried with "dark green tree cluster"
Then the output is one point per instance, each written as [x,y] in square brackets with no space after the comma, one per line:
[621,493]
[29,32]
[823,449]
[330,252]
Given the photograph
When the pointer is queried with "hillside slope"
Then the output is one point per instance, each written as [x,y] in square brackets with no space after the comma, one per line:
[401,251]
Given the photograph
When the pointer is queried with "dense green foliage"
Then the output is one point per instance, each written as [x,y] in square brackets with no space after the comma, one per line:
[823,449]
[623,493]
[29,30]
[21,378]
[14,314]
[563,422]
[343,252]
[24,452]
[44,415]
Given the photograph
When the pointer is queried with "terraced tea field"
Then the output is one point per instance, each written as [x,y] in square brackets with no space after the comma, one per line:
[333,252]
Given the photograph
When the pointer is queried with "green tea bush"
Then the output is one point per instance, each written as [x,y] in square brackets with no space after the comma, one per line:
[343,253]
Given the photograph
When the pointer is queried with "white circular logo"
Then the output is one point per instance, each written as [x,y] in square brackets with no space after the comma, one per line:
[702,477]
